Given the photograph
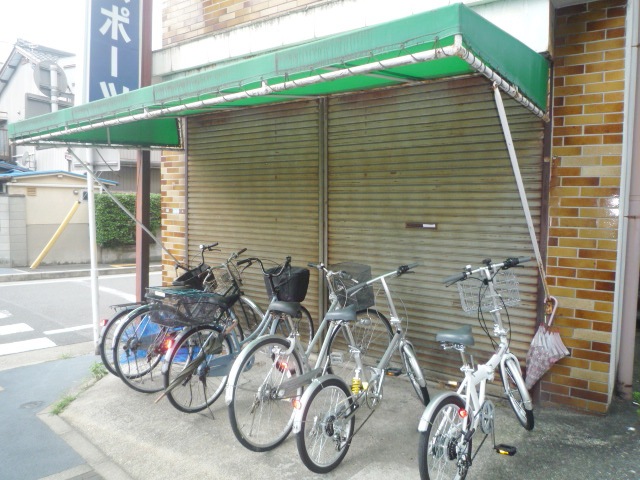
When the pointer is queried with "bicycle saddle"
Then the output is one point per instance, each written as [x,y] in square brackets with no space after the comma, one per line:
[461,336]
[347,314]
[289,308]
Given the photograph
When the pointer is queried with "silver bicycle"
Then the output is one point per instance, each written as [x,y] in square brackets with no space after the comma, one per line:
[324,421]
[452,419]
[268,377]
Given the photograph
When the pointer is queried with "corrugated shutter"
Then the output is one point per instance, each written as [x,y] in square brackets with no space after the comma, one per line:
[433,154]
[253,183]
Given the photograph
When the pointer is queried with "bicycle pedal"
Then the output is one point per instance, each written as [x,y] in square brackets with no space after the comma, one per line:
[503,449]
[393,372]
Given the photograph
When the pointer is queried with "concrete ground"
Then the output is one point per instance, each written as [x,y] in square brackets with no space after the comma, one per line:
[125,435]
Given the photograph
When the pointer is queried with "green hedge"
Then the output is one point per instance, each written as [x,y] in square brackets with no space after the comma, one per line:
[113,226]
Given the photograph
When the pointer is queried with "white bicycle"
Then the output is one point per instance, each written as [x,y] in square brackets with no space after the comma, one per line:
[451,420]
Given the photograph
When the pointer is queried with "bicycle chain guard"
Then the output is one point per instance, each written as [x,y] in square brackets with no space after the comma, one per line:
[487,413]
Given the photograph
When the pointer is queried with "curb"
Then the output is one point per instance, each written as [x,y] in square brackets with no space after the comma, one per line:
[81,272]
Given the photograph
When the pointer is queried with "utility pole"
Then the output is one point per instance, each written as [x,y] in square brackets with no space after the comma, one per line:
[143,164]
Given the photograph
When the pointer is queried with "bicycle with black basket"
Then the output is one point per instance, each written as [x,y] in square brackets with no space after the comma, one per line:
[147,333]
[268,377]
[197,365]
[452,419]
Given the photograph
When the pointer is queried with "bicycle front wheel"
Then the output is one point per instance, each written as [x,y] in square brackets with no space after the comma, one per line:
[516,392]
[107,337]
[372,334]
[202,384]
[442,453]
[414,373]
[325,434]
[261,407]
[138,349]
[248,314]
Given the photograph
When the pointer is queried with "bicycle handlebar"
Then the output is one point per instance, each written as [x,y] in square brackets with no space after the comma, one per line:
[286,263]
[246,260]
[508,263]
[401,270]
[208,247]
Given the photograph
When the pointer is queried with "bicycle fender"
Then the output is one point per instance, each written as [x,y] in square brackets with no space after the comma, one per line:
[428,411]
[316,383]
[235,368]
[520,381]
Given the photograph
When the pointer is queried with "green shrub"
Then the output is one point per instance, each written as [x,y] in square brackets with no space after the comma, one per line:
[113,226]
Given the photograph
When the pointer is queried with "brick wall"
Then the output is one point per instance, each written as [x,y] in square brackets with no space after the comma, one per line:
[173,204]
[188,19]
[585,186]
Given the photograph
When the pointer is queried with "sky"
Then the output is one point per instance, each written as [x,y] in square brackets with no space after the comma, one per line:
[51,23]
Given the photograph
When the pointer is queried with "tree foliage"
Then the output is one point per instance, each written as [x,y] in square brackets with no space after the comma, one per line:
[113,226]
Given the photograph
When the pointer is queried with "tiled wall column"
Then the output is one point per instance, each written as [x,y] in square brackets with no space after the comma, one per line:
[173,206]
[585,186]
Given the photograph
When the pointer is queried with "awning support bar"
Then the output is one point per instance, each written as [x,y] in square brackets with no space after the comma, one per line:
[551,302]
[122,207]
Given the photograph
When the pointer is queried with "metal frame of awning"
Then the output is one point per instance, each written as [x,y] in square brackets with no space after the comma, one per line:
[455,50]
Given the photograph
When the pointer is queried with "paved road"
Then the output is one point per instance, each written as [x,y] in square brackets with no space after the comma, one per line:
[43,314]
[30,449]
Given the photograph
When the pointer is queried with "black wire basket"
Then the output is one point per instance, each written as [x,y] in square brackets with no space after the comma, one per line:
[185,307]
[355,273]
[194,278]
[291,285]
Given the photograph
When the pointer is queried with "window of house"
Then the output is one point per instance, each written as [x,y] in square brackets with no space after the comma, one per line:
[5,149]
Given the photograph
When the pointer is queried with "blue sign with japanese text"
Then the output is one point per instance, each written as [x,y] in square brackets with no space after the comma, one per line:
[114,48]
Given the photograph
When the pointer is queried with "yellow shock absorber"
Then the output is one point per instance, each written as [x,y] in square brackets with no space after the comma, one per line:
[356,385]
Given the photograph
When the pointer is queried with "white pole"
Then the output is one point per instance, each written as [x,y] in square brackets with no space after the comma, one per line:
[520,184]
[93,251]
[625,302]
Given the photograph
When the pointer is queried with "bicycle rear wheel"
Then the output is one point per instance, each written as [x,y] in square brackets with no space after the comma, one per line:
[441,454]
[202,386]
[372,334]
[303,323]
[260,413]
[516,392]
[139,347]
[325,434]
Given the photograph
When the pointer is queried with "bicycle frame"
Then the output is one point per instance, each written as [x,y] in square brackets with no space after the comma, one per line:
[472,390]
[375,381]
[222,365]
[319,368]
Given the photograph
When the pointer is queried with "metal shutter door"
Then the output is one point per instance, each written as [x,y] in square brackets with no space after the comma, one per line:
[253,183]
[435,154]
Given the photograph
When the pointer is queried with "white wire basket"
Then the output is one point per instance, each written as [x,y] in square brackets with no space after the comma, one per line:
[223,280]
[475,295]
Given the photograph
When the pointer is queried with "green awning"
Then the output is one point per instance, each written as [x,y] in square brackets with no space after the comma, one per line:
[446,42]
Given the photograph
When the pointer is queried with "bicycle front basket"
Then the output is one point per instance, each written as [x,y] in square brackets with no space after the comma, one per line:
[474,294]
[186,307]
[193,278]
[359,273]
[291,285]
